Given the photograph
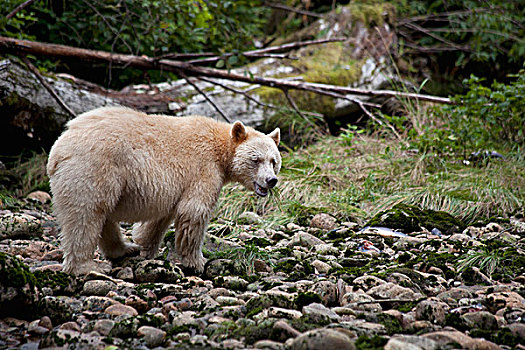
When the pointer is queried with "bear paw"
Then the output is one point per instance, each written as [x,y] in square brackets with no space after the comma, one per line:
[128,249]
[194,263]
[83,268]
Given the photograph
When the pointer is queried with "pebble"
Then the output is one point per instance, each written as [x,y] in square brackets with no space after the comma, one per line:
[323,221]
[321,266]
[322,339]
[320,314]
[103,327]
[152,336]
[97,287]
[120,309]
[39,196]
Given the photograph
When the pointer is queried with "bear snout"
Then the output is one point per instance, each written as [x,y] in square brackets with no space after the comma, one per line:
[271,181]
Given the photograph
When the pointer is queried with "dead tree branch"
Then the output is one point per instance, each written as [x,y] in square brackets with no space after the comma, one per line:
[293,9]
[24,47]
[297,110]
[266,52]
[245,94]
[48,87]
[19,8]
[208,98]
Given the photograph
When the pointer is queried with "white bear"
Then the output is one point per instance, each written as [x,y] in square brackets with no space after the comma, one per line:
[115,164]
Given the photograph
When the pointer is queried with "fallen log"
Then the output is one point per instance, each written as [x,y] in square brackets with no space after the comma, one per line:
[24,47]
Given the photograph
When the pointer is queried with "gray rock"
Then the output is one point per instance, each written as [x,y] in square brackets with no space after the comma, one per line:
[39,196]
[279,312]
[480,319]
[393,291]
[120,309]
[18,288]
[184,318]
[103,327]
[517,330]
[157,271]
[228,301]
[453,295]
[305,239]
[328,292]
[321,266]
[152,336]
[14,225]
[323,221]
[98,303]
[97,287]
[360,302]
[322,339]
[398,344]
[126,274]
[268,345]
[320,314]
[433,310]
[35,328]
[232,282]
[367,281]
[248,218]
[402,342]
[445,339]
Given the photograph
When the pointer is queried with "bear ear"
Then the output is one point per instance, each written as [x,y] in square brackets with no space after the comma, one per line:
[238,132]
[276,136]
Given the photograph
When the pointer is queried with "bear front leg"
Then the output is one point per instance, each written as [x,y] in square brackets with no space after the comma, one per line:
[79,240]
[190,225]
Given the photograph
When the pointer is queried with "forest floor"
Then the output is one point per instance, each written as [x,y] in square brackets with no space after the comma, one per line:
[310,267]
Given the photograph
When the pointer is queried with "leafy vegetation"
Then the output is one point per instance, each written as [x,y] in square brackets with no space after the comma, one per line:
[459,38]
[484,118]
[145,27]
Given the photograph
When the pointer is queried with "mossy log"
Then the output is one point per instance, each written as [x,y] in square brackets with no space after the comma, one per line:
[31,117]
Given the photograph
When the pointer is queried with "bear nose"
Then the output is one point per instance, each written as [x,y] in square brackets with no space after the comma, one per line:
[271,181]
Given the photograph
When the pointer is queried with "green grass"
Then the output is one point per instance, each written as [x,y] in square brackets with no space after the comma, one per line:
[354,182]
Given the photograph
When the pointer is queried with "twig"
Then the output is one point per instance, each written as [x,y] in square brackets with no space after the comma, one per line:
[294,106]
[245,94]
[210,101]
[435,36]
[186,55]
[19,8]
[272,49]
[113,30]
[442,14]
[293,9]
[48,87]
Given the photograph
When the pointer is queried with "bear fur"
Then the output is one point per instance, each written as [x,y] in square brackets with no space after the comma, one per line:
[115,164]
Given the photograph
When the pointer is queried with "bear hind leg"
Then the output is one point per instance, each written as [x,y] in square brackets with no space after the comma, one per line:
[112,243]
[149,235]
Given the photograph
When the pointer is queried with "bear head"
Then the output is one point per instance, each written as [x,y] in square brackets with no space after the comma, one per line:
[256,161]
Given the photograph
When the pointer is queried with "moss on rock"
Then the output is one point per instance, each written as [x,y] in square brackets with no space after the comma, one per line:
[18,288]
[410,218]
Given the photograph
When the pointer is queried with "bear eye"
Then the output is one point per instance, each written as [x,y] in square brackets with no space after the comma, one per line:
[273,162]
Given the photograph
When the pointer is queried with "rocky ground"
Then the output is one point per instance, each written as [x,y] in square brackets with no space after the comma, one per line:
[326,285]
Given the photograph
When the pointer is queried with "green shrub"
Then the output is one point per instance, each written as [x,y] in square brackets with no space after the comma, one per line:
[139,27]
[484,118]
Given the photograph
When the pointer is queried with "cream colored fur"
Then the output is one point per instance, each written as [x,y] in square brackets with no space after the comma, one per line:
[116,164]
